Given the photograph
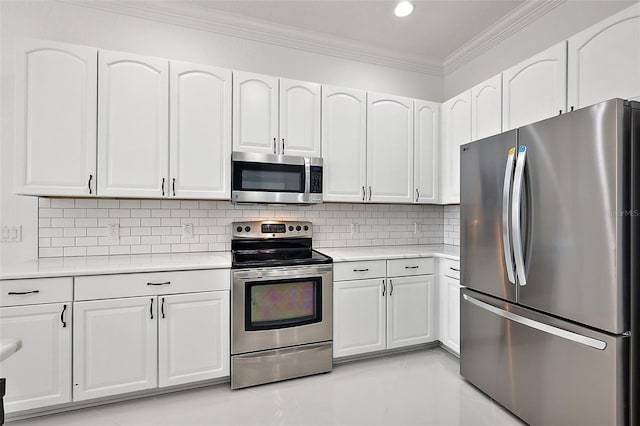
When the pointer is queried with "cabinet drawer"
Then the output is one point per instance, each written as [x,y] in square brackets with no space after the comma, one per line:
[450,268]
[36,290]
[344,271]
[150,283]
[406,267]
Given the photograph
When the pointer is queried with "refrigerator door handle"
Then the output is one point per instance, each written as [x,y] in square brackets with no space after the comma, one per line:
[516,229]
[545,328]
[506,237]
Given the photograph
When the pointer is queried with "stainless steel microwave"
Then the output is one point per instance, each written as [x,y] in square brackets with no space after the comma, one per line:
[278,179]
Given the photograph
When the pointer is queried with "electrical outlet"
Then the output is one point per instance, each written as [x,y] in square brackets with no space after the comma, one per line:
[11,234]
[113,231]
[187,229]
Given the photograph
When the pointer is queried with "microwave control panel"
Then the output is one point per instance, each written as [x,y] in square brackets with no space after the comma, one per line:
[316,180]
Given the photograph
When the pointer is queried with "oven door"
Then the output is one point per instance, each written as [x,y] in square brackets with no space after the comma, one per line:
[266,178]
[279,307]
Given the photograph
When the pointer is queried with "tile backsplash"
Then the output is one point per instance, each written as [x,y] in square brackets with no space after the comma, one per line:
[79,227]
[451,225]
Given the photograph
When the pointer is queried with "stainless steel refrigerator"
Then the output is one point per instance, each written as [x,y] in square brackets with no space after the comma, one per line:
[550,224]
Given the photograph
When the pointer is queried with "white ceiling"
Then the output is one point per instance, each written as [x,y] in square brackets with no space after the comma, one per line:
[436,29]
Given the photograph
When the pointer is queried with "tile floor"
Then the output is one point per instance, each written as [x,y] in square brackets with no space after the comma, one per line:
[415,388]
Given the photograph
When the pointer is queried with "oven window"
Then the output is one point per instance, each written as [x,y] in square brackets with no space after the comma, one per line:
[268,177]
[283,303]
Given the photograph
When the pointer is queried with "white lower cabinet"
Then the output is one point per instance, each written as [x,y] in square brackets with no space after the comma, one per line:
[39,374]
[410,307]
[114,347]
[193,337]
[359,317]
[381,313]
[449,305]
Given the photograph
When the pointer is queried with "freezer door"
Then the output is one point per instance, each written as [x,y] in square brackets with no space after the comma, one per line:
[575,231]
[544,370]
[486,171]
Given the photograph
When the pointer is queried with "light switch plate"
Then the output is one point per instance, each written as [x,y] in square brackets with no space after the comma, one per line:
[187,229]
[11,234]
[113,231]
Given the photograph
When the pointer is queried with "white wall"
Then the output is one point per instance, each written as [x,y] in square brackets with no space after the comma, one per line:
[74,23]
[561,23]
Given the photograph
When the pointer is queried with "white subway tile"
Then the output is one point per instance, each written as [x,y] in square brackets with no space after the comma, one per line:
[119,213]
[141,231]
[170,239]
[50,252]
[108,204]
[156,239]
[161,248]
[86,241]
[86,203]
[170,204]
[150,222]
[140,213]
[97,251]
[62,242]
[119,250]
[75,212]
[75,251]
[44,202]
[91,222]
[44,242]
[189,204]
[129,241]
[61,203]
[129,222]
[170,221]
[47,212]
[75,232]
[97,232]
[142,249]
[160,213]
[150,204]
[129,204]
[44,223]
[51,232]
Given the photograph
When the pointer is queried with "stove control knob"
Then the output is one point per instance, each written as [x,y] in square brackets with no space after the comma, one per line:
[306,228]
[247,228]
[239,229]
[290,228]
[298,228]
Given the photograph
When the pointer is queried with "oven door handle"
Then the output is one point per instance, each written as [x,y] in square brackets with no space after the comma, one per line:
[285,272]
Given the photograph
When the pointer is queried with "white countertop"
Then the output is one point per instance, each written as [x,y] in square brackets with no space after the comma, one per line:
[98,265]
[392,252]
[95,265]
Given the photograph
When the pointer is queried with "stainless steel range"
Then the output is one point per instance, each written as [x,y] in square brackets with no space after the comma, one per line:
[281,304]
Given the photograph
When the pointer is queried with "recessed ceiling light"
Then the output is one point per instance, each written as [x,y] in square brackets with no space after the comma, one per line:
[404,8]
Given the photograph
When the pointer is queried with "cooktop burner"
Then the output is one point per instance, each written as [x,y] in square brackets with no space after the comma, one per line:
[273,243]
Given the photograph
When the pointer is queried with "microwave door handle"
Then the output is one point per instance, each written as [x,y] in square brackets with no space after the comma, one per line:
[516,227]
[307,176]
[506,237]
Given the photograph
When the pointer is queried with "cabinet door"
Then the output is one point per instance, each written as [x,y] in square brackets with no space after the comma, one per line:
[425,148]
[133,125]
[604,60]
[193,342]
[535,89]
[344,144]
[255,113]
[200,142]
[410,307]
[389,148]
[449,313]
[359,317]
[39,374]
[299,118]
[456,131]
[486,108]
[55,119]
[115,347]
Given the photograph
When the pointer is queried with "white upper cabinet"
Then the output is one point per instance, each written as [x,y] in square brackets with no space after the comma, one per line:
[200,139]
[55,119]
[133,123]
[425,151]
[255,113]
[389,148]
[456,131]
[344,144]
[604,60]
[486,108]
[535,89]
[299,118]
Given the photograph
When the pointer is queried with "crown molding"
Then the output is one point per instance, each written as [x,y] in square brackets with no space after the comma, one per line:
[191,15]
[507,26]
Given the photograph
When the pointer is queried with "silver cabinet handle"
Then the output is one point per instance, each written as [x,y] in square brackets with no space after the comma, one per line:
[455,269]
[89,184]
[162,308]
[417,194]
[282,146]
[384,287]
[369,193]
[391,284]
[163,179]
[516,229]
[22,293]
[506,237]
[173,186]
[361,270]
[364,193]
[411,267]
[151,308]
[162,283]
[274,145]
[545,328]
